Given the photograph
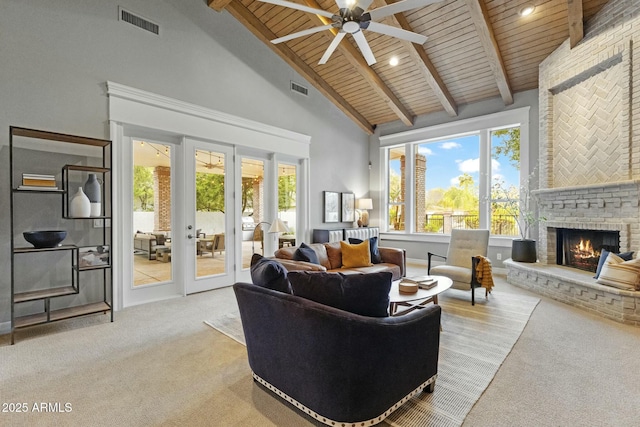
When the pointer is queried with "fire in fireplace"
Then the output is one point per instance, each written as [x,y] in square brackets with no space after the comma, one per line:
[581,248]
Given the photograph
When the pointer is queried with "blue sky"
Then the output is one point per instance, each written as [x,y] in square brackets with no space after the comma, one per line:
[448,159]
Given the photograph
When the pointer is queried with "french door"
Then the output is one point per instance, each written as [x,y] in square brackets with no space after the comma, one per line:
[208,233]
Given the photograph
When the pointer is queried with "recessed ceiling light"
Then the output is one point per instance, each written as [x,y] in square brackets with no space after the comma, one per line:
[394,61]
[526,10]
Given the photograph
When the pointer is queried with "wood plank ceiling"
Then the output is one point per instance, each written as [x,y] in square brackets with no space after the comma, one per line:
[476,49]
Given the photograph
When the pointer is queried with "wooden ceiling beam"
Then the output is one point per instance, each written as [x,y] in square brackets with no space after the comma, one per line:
[426,67]
[218,5]
[245,17]
[576,27]
[480,18]
[356,59]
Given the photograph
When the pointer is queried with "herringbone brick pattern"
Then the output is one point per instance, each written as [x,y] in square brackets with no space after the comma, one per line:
[587,148]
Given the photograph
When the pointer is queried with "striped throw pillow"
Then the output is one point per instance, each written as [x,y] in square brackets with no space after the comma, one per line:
[619,273]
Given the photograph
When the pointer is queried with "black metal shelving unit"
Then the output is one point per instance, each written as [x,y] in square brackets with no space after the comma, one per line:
[18,296]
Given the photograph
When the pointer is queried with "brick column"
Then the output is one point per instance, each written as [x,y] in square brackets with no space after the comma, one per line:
[162,198]
[258,202]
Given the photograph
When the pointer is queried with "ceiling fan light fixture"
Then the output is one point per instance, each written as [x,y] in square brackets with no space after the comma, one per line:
[526,10]
[394,61]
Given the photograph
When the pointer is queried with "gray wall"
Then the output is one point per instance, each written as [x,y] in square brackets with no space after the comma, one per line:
[57,56]
[418,250]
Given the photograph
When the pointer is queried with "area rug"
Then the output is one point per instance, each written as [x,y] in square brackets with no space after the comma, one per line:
[474,342]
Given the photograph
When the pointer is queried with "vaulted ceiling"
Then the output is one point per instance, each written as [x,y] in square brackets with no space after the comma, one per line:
[476,49]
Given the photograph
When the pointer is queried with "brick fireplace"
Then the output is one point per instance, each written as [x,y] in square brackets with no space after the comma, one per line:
[589,158]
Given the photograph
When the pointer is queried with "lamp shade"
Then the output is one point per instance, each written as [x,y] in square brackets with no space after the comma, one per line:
[278,226]
[364,204]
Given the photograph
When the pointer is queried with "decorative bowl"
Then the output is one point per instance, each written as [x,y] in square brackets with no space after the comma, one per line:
[45,239]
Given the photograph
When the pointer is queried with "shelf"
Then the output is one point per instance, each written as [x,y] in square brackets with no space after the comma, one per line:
[53,136]
[57,248]
[44,293]
[87,168]
[65,313]
[17,190]
[93,267]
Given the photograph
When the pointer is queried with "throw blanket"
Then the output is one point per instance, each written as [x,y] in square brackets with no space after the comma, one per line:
[483,273]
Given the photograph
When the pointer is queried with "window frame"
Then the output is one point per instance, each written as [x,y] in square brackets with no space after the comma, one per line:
[482,125]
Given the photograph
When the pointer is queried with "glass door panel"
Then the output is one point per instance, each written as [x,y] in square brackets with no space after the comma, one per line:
[287,191]
[252,188]
[152,201]
[210,213]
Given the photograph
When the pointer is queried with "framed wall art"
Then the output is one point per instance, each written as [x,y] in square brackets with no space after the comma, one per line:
[331,206]
[348,207]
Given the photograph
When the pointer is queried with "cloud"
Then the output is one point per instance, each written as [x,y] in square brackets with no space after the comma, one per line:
[424,150]
[469,165]
[495,165]
[455,181]
[450,145]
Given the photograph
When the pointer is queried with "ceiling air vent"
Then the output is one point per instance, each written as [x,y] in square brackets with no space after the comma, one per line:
[138,21]
[295,87]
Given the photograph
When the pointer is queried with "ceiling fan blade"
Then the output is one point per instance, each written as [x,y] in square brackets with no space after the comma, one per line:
[401,6]
[332,47]
[364,47]
[364,4]
[396,32]
[299,7]
[301,33]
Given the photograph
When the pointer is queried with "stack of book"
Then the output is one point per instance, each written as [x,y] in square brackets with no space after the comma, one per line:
[423,282]
[34,181]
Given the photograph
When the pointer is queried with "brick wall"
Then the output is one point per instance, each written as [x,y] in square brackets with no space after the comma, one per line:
[589,131]
[162,198]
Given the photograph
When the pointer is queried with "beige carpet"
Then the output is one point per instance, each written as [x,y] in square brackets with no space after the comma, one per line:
[474,343]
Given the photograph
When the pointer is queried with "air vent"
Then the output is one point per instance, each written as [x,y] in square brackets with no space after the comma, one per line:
[295,87]
[138,21]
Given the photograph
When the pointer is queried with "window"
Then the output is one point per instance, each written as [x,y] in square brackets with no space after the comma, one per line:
[396,188]
[463,175]
[447,184]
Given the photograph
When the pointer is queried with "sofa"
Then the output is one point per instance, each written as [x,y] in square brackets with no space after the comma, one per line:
[148,243]
[329,256]
[339,367]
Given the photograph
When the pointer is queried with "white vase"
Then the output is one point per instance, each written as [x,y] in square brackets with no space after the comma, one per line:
[80,206]
[95,208]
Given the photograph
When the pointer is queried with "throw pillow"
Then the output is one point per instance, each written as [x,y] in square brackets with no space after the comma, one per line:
[269,273]
[603,257]
[305,253]
[620,274]
[373,248]
[363,294]
[356,255]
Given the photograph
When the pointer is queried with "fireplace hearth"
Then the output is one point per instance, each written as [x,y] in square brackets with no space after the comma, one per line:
[581,249]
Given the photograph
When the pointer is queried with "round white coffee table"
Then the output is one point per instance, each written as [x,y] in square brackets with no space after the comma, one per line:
[420,298]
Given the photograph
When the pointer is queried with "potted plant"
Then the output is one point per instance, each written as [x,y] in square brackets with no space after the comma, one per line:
[518,203]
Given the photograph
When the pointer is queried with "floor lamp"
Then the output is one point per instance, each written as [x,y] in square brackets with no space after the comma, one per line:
[278,226]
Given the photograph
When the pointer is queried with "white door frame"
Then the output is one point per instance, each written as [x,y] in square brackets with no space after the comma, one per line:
[132,108]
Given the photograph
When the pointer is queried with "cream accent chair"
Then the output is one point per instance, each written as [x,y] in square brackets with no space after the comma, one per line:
[461,260]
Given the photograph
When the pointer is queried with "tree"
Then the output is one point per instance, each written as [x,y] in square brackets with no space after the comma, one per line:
[395,201]
[463,197]
[286,192]
[209,192]
[143,187]
[508,145]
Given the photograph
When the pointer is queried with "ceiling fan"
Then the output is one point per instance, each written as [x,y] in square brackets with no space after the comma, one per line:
[352,18]
[211,165]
